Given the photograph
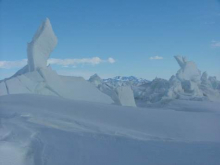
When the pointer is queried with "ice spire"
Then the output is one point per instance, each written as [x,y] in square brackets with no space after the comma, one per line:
[41,46]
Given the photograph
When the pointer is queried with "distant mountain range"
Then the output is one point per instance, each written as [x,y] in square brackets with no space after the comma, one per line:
[124,80]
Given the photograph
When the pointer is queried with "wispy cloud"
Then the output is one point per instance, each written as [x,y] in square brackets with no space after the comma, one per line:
[215,44]
[60,62]
[74,62]
[156,58]
[12,64]
[111,60]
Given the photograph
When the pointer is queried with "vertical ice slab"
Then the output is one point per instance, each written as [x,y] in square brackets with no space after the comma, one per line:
[126,96]
[41,46]
[3,88]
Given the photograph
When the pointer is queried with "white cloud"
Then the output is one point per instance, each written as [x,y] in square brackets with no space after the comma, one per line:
[13,64]
[111,60]
[156,58]
[74,62]
[60,62]
[215,44]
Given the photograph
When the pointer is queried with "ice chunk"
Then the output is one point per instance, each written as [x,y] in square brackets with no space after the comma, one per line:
[53,81]
[205,81]
[110,91]
[3,89]
[41,46]
[29,84]
[15,86]
[126,96]
[121,95]
[175,88]
[188,70]
[215,83]
[192,88]
[34,76]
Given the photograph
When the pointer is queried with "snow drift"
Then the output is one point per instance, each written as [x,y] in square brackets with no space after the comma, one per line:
[47,130]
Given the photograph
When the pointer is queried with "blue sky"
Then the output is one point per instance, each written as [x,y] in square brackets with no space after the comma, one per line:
[130,32]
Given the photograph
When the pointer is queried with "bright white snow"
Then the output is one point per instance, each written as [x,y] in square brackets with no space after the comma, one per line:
[46,130]
[49,119]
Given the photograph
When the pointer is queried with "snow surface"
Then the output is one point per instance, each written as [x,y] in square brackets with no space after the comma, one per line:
[46,130]
[48,119]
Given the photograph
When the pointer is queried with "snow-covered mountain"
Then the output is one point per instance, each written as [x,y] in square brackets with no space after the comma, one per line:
[187,84]
[123,80]
[121,94]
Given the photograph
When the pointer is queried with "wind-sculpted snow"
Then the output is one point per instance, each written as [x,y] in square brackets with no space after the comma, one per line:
[126,96]
[38,78]
[46,130]
[41,46]
[188,70]
[187,84]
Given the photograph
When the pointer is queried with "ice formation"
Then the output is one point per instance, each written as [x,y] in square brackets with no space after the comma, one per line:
[126,96]
[120,94]
[187,84]
[41,46]
[38,78]
[188,70]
